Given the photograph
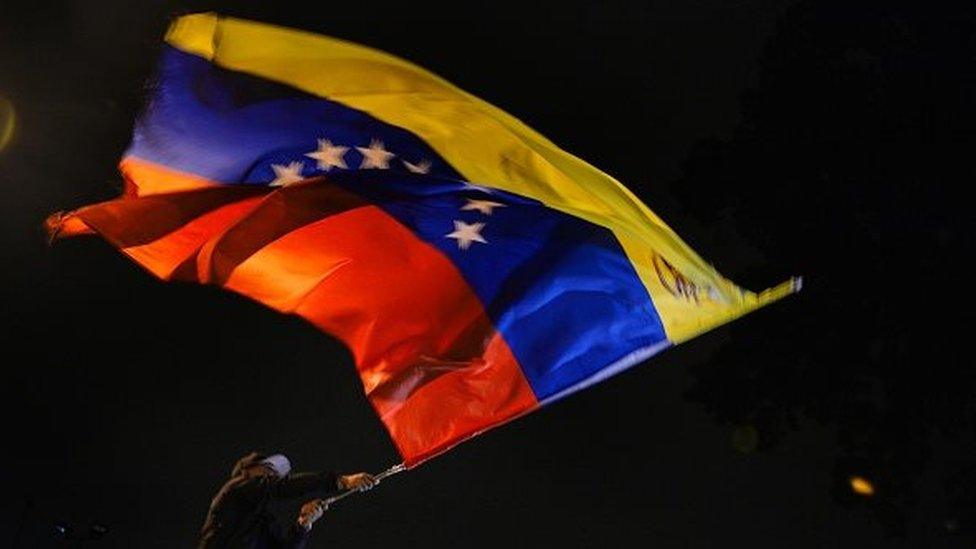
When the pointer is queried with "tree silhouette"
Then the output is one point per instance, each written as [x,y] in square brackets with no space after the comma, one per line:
[849,165]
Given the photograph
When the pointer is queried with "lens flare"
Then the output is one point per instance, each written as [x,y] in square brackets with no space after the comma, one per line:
[862,486]
[7,122]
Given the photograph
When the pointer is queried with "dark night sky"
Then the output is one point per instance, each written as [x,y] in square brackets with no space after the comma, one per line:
[126,400]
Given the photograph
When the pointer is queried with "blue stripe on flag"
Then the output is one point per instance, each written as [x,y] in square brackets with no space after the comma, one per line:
[232,127]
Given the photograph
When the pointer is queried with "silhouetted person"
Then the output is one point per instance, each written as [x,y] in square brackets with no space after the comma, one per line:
[239,517]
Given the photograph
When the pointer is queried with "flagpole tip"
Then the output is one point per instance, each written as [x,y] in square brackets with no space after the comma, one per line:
[797,283]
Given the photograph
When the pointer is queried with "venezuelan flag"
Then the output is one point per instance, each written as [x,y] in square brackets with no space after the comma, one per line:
[475,270]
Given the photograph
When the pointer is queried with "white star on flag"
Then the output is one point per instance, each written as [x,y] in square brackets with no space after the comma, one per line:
[286,175]
[375,156]
[466,234]
[483,206]
[420,167]
[329,155]
[468,186]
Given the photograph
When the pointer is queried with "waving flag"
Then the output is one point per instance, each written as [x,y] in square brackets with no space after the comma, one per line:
[476,271]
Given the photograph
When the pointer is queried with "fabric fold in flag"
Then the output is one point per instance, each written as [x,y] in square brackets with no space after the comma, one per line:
[484,319]
[475,270]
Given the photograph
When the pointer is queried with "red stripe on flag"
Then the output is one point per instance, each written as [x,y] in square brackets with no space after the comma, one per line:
[432,365]
[164,256]
[160,232]
[283,211]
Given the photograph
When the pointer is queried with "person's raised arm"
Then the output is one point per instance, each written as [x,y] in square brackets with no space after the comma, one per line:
[303,484]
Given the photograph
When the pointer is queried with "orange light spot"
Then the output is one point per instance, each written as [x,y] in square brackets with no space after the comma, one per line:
[862,486]
[8,121]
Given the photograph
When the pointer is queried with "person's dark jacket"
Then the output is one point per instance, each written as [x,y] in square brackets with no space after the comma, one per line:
[239,517]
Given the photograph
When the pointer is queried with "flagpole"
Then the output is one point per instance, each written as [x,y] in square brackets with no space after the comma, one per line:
[399,468]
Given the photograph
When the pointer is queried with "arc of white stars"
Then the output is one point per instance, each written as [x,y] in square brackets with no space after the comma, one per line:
[329,156]
[420,167]
[375,156]
[287,174]
[483,206]
[465,234]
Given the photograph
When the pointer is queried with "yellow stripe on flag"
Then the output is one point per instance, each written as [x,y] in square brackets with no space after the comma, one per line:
[485,144]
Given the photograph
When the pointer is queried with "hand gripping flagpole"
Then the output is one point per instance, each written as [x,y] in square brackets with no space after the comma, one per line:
[399,468]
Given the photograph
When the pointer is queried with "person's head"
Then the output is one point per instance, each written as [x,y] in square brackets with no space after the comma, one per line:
[255,464]
[277,464]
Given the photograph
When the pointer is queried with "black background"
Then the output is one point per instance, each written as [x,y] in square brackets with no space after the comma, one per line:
[778,137]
